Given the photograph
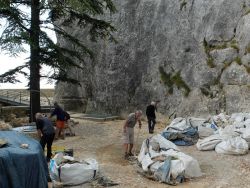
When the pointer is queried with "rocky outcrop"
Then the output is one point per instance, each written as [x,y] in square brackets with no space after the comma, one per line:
[192,55]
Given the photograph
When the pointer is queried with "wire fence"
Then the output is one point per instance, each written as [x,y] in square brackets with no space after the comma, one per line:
[22,97]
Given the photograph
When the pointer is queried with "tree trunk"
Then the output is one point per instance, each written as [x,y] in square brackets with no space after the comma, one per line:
[34,60]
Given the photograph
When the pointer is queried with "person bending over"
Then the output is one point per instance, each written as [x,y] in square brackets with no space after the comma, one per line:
[128,132]
[46,133]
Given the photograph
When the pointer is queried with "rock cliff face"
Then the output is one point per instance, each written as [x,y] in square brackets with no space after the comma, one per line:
[192,55]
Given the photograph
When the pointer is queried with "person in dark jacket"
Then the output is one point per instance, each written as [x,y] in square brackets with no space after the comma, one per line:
[60,120]
[150,112]
[46,133]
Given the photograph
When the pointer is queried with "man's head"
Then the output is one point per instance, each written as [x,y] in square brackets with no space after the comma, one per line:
[56,105]
[138,113]
[153,103]
[39,116]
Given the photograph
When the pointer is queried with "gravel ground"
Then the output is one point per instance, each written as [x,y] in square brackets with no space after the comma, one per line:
[102,141]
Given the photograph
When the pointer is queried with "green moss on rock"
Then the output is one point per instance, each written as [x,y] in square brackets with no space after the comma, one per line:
[171,80]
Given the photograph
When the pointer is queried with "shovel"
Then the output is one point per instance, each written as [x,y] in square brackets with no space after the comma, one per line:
[136,142]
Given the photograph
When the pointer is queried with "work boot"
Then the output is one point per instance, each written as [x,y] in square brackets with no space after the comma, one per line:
[130,154]
[126,156]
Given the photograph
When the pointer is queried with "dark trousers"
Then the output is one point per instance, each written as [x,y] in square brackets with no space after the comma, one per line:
[47,139]
[151,124]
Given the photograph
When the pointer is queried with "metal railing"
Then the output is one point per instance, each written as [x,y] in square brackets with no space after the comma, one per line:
[22,97]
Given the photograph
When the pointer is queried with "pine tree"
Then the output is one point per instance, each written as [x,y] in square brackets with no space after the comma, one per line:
[25,26]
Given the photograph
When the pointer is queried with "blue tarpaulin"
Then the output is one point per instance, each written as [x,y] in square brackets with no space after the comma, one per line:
[186,137]
[22,168]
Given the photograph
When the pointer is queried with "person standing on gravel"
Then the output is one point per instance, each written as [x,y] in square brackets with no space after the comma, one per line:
[128,132]
[60,120]
[150,112]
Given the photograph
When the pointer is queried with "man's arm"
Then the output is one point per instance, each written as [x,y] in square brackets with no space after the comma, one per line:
[53,113]
[39,126]
[125,126]
[39,133]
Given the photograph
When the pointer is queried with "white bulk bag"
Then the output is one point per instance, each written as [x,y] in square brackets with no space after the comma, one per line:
[163,142]
[233,146]
[246,136]
[205,131]
[191,165]
[178,124]
[237,117]
[177,167]
[208,143]
[221,118]
[228,132]
[196,122]
[75,173]
[146,162]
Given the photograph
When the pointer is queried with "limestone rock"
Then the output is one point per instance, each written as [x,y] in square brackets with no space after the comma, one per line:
[196,44]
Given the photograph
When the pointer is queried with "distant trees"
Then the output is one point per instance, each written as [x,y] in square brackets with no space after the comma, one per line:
[25,26]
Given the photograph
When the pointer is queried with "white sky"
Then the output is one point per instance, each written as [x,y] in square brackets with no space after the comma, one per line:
[7,63]
[10,63]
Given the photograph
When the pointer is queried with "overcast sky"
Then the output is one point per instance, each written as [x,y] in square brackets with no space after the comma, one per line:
[8,62]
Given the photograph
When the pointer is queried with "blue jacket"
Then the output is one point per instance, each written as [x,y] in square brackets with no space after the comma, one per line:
[60,115]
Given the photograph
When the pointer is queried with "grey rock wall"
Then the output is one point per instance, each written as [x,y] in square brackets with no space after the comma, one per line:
[206,42]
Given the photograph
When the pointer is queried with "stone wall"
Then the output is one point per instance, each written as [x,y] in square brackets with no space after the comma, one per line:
[192,55]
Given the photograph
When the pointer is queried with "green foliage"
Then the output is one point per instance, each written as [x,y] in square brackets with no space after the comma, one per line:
[247,68]
[18,32]
[226,65]
[238,60]
[235,47]
[233,42]
[179,82]
[210,62]
[93,7]
[166,79]
[218,47]
[247,12]
[183,4]
[247,50]
[170,80]
[244,5]
[208,48]
[27,28]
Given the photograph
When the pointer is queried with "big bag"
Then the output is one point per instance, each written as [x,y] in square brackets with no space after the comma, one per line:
[72,172]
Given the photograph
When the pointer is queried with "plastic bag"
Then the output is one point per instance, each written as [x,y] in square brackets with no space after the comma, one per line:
[72,173]
[208,143]
[232,146]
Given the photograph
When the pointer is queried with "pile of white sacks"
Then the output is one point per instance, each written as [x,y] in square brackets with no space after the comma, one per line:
[225,134]
[230,136]
[163,161]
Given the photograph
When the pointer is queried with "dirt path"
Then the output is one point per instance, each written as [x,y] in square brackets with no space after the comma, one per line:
[102,141]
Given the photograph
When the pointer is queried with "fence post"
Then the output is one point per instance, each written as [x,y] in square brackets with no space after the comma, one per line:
[20,97]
